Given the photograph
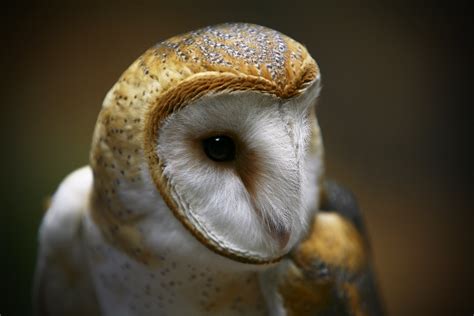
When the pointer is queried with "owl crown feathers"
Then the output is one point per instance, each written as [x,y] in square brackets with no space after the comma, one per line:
[239,49]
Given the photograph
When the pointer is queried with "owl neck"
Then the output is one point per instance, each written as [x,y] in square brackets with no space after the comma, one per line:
[182,278]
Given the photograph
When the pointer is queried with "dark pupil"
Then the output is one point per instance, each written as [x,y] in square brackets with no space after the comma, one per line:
[219,148]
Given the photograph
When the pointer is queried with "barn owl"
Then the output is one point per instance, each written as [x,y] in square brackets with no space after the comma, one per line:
[205,193]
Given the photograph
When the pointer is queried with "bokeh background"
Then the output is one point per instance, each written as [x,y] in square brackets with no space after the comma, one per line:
[395,114]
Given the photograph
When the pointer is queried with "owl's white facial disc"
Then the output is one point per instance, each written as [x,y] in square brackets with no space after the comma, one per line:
[256,204]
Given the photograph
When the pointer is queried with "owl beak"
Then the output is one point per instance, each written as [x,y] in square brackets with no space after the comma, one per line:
[280,234]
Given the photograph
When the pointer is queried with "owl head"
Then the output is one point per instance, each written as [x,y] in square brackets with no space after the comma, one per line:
[214,130]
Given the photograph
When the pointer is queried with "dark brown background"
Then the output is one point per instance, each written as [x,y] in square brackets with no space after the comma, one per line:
[394,112]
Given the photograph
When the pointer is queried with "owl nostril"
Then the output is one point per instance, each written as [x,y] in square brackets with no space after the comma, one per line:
[219,148]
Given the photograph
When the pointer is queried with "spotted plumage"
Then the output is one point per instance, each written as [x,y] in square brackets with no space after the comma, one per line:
[159,223]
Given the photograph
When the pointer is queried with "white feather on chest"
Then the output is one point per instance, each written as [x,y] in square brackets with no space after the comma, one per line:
[174,287]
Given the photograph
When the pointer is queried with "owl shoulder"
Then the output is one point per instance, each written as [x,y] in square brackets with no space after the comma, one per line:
[63,217]
[330,271]
[62,284]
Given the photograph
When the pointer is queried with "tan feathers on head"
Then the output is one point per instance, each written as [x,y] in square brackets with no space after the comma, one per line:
[169,76]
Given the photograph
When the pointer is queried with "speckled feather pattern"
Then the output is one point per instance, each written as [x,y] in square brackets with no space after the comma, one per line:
[239,49]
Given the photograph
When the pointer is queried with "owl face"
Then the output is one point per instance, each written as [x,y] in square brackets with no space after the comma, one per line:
[220,125]
[235,164]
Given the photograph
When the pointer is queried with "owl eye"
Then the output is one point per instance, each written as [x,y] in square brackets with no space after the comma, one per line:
[219,148]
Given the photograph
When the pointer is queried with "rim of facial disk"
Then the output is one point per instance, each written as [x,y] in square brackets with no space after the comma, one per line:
[185,93]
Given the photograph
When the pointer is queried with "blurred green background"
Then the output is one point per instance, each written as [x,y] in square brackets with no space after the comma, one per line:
[393,111]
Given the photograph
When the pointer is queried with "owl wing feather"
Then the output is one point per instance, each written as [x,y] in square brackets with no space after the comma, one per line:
[330,272]
[63,285]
